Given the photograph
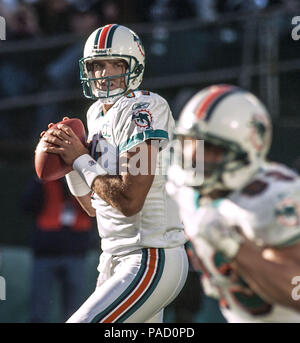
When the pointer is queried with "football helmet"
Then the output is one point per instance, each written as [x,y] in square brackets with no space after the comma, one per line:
[234,120]
[112,42]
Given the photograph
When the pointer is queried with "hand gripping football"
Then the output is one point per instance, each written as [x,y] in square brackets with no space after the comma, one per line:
[51,167]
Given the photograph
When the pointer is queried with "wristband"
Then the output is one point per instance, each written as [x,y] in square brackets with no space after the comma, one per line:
[88,168]
[76,184]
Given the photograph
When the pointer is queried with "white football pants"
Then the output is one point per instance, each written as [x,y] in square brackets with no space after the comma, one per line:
[135,288]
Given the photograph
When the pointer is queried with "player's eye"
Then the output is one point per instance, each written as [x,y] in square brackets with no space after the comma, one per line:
[97,65]
[118,65]
[94,66]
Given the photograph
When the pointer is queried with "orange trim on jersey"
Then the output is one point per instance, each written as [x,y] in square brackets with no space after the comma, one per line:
[213,94]
[103,36]
[139,291]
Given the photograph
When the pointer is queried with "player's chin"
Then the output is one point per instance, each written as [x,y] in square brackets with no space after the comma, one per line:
[105,89]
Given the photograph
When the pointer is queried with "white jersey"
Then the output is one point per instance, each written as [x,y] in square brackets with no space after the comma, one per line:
[267,211]
[133,119]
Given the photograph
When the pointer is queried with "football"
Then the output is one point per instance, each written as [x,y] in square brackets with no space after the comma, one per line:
[51,167]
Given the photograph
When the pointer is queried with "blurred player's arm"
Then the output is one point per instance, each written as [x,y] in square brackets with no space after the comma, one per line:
[127,192]
[267,270]
[270,271]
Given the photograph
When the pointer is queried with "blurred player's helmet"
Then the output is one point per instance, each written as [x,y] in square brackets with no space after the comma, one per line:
[233,119]
[110,42]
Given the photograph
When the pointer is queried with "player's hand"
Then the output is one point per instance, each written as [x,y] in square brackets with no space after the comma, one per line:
[50,125]
[63,141]
[212,227]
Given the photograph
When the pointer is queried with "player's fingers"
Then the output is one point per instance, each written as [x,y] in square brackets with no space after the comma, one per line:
[65,118]
[50,125]
[53,149]
[55,140]
[42,144]
[42,133]
[66,129]
[60,134]
[52,133]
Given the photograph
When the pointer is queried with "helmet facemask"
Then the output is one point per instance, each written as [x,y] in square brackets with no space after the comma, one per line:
[90,82]
[208,176]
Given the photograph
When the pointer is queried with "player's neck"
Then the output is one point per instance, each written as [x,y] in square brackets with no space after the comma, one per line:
[217,194]
[106,107]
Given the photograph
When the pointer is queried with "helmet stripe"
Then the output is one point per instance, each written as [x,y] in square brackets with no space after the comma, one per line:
[110,36]
[97,38]
[103,36]
[214,93]
[219,99]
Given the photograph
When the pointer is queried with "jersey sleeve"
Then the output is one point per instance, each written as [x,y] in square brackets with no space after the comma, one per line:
[148,117]
[276,218]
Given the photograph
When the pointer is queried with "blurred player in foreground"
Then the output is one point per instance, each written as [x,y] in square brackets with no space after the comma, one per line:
[143,266]
[243,217]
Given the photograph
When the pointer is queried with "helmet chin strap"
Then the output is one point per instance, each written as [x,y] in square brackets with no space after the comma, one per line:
[112,98]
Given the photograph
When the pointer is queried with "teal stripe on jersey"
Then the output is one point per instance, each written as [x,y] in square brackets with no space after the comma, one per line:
[149,291]
[110,36]
[216,203]
[196,198]
[128,290]
[97,38]
[141,137]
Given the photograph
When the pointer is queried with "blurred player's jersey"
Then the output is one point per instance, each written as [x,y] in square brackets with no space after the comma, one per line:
[133,119]
[267,212]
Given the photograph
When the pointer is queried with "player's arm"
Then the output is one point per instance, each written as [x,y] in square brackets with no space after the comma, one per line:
[127,192]
[81,191]
[65,141]
[269,272]
[76,184]
[86,204]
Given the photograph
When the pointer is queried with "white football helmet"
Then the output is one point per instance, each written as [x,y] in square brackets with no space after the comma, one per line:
[233,119]
[110,42]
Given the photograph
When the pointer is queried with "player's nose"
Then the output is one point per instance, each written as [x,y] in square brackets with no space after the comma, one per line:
[107,71]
